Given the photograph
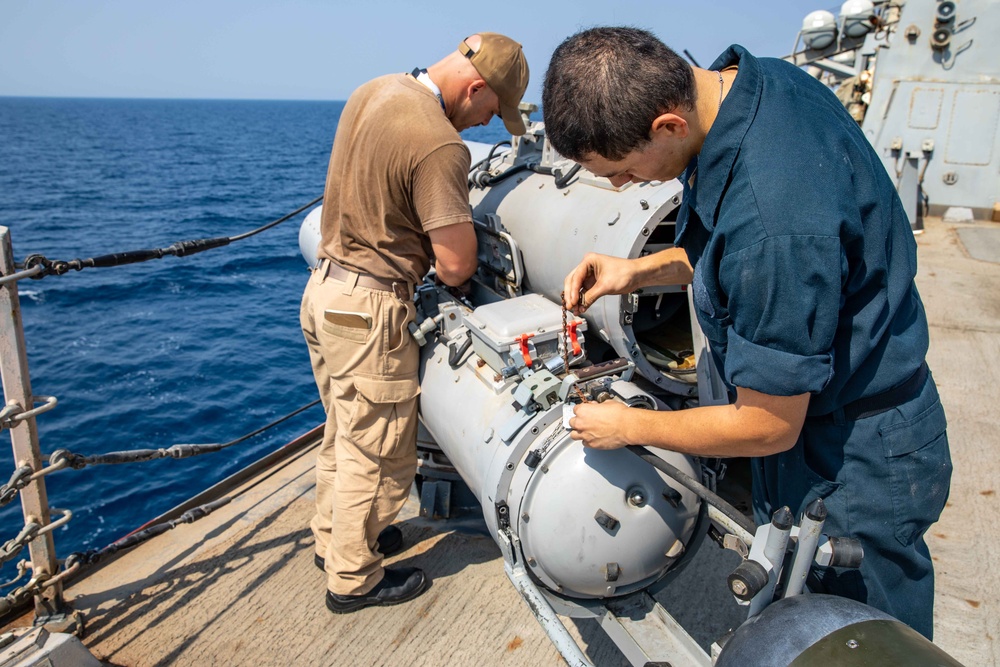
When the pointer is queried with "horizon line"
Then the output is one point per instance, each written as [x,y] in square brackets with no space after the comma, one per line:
[161,99]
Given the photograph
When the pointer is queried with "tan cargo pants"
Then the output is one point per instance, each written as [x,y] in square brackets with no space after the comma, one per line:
[367,379]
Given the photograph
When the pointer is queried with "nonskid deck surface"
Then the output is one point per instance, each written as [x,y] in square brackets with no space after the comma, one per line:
[240,587]
[960,287]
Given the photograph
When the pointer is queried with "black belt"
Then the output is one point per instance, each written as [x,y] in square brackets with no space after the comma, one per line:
[400,288]
[870,406]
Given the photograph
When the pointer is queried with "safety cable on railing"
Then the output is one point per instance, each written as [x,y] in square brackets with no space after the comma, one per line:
[38,266]
[73,562]
[63,457]
[96,555]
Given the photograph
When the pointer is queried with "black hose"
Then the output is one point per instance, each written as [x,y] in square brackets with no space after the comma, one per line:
[240,237]
[542,169]
[563,181]
[503,176]
[489,158]
[695,487]
[455,354]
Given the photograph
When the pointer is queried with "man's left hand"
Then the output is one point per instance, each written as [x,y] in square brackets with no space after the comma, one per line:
[600,425]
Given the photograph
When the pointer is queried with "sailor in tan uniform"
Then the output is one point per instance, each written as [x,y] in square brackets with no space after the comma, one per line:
[396,204]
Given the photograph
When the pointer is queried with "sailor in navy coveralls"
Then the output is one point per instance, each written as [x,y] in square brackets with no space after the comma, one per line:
[801,262]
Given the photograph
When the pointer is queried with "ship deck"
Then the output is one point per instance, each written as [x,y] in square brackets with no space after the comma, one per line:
[239,587]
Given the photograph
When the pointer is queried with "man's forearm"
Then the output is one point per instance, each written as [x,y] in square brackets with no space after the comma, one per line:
[667,267]
[756,425]
[717,430]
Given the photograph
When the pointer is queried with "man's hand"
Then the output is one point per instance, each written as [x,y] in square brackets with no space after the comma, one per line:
[599,275]
[596,276]
[462,291]
[600,425]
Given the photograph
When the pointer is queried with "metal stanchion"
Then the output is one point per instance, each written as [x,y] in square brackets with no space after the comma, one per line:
[49,604]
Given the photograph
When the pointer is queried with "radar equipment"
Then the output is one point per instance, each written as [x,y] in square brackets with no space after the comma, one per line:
[928,70]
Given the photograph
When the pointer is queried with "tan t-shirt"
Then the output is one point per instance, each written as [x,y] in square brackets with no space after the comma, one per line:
[398,169]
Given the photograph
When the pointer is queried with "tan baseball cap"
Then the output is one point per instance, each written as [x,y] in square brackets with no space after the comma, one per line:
[501,63]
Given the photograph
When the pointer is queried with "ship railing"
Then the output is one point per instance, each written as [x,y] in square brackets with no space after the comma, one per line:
[18,415]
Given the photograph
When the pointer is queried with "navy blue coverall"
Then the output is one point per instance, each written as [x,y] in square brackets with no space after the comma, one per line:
[803,283]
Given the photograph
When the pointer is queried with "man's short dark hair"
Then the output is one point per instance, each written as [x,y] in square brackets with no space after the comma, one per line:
[605,86]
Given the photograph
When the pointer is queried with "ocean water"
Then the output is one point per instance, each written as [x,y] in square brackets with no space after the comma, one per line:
[198,349]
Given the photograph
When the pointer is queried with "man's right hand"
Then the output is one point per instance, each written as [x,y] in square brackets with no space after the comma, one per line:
[597,276]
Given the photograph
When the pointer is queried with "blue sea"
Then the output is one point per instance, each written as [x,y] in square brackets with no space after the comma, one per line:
[199,349]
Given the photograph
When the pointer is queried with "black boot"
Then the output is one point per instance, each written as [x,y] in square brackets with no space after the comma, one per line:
[398,585]
[390,543]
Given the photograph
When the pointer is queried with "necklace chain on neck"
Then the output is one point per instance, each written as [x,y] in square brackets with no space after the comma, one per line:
[721,87]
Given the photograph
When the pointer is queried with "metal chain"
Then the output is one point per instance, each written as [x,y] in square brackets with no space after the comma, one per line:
[12,548]
[14,413]
[565,342]
[23,567]
[25,475]
[31,531]
[21,595]
[20,479]
[565,334]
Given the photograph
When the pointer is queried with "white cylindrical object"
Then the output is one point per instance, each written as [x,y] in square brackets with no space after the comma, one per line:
[309,236]
[819,29]
[589,523]
[857,16]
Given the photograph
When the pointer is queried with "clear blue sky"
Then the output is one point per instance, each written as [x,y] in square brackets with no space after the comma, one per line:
[323,49]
